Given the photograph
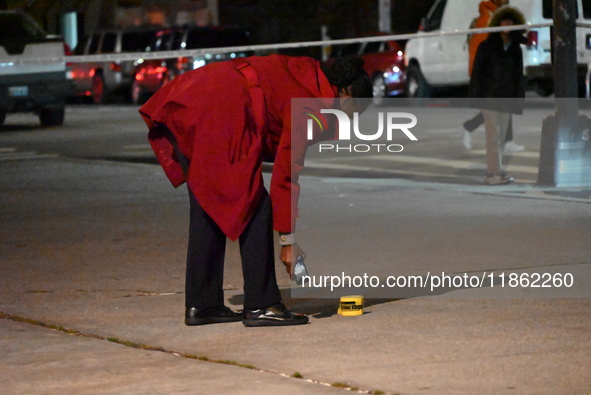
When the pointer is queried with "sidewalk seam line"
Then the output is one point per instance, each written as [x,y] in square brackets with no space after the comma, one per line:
[139,346]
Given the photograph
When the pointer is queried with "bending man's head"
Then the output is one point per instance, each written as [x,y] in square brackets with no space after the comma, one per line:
[348,76]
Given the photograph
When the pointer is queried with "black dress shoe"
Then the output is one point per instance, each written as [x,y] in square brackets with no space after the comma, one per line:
[210,315]
[276,315]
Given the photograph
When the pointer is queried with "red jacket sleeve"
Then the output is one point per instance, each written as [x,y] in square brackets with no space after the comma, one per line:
[161,142]
[289,162]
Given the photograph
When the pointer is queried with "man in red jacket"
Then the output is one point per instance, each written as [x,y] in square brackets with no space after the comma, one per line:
[212,128]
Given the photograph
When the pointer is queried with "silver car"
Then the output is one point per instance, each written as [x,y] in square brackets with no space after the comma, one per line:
[99,81]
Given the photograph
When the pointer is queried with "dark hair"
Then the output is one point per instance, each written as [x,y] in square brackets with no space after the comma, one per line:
[347,72]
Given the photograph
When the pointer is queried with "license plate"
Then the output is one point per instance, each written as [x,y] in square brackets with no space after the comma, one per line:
[18,91]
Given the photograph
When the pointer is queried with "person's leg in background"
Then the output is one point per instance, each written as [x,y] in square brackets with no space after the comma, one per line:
[473,123]
[470,125]
[496,125]
[510,145]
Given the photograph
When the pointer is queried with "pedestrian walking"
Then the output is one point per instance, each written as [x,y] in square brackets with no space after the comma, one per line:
[485,10]
[498,84]
[212,128]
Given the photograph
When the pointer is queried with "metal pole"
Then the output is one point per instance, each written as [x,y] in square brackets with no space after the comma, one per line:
[557,130]
[565,48]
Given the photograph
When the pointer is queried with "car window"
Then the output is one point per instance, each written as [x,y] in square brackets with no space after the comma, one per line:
[129,42]
[94,43]
[20,27]
[79,50]
[136,41]
[178,40]
[232,38]
[165,43]
[435,16]
[161,42]
[373,47]
[587,9]
[109,41]
[153,46]
[350,49]
[201,38]
[17,30]
[392,46]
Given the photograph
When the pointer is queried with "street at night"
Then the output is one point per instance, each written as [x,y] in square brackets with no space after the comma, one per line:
[93,244]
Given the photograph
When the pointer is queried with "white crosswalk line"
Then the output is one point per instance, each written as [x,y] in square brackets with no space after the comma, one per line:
[522,154]
[452,163]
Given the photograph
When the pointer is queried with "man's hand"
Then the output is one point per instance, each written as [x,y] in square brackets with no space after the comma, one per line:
[289,255]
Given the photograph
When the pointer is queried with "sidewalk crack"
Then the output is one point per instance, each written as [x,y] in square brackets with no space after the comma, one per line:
[145,347]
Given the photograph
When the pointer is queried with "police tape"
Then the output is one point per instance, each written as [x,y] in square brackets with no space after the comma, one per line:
[261,48]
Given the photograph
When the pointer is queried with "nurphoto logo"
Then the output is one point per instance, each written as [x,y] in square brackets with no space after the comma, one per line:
[389,124]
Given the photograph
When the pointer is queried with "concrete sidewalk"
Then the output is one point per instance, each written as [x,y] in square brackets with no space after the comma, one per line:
[92,272]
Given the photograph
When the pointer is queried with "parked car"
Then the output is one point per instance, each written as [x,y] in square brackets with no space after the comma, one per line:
[99,80]
[150,75]
[383,62]
[441,61]
[27,84]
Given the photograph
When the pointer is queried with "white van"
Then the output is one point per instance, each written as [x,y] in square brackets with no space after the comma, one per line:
[442,61]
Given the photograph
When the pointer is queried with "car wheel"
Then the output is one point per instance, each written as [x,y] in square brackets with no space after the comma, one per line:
[545,89]
[98,89]
[52,116]
[379,89]
[416,85]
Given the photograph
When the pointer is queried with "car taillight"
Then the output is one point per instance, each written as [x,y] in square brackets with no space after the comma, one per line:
[532,39]
[116,67]
[160,70]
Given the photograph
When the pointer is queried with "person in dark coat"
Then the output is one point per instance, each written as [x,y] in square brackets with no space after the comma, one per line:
[498,85]
[486,9]
[212,128]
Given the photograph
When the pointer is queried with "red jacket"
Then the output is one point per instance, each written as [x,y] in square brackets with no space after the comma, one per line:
[227,118]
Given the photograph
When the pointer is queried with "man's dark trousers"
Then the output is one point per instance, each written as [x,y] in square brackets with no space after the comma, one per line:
[206,252]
